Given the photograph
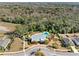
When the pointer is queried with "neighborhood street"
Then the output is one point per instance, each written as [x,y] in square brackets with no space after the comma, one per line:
[46,51]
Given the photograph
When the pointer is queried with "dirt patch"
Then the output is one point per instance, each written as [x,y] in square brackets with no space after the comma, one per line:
[9,26]
[59,45]
[17,45]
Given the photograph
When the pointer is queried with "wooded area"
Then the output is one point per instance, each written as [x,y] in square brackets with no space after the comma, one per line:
[54,18]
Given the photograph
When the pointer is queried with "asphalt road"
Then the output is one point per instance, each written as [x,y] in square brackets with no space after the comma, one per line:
[48,52]
[45,50]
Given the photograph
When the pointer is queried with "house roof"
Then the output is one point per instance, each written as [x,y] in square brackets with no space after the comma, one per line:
[4,42]
[76,41]
[39,37]
[65,42]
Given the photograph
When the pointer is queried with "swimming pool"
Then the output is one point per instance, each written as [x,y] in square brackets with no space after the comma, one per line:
[40,36]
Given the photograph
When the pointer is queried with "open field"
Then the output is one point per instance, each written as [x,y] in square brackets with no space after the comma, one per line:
[9,26]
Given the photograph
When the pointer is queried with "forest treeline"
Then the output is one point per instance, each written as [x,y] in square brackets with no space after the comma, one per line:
[54,19]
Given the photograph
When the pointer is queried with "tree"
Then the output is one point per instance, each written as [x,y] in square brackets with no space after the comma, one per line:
[39,53]
[22,29]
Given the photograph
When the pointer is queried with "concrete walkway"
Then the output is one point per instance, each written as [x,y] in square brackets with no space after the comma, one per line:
[73,46]
[74,49]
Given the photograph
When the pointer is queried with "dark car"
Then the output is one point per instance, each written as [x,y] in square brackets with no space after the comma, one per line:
[32,53]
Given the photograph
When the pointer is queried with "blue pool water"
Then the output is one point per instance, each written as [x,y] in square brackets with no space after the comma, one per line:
[46,33]
[40,36]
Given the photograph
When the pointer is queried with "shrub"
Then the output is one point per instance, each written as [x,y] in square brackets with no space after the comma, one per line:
[39,53]
[54,45]
[34,42]
[2,49]
[46,42]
